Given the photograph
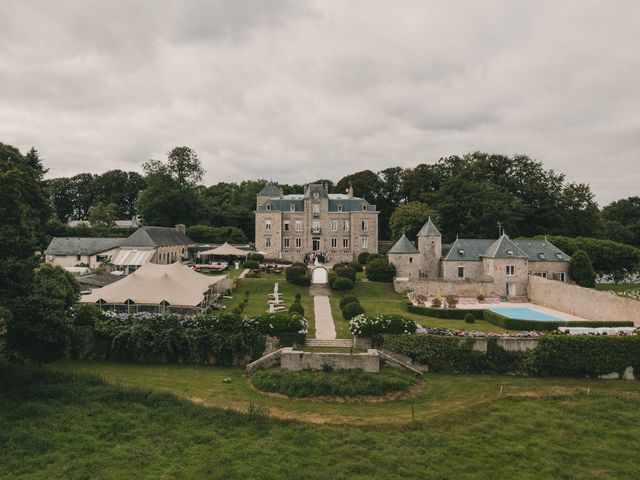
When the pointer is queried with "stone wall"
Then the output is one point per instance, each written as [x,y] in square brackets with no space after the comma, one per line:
[406,265]
[583,302]
[430,288]
[295,360]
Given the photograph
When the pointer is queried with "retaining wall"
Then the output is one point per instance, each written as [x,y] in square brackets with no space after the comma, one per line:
[587,303]
[431,288]
[296,360]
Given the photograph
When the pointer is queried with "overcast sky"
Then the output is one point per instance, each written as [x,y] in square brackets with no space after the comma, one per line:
[295,91]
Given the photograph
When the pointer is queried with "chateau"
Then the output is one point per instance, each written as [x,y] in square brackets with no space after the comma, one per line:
[472,266]
[340,226]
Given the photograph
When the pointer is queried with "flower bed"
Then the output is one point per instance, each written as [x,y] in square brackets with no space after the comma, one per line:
[364,325]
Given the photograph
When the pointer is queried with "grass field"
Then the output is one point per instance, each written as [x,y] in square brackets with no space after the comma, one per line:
[65,426]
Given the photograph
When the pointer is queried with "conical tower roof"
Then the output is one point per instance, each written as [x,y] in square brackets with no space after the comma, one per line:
[429,229]
[403,245]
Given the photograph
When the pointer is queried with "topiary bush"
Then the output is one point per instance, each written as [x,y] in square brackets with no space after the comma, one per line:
[347,299]
[258,257]
[298,274]
[296,307]
[251,264]
[363,257]
[352,309]
[380,270]
[357,266]
[469,318]
[346,272]
[342,283]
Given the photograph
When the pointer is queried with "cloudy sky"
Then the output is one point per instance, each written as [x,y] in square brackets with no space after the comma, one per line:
[298,90]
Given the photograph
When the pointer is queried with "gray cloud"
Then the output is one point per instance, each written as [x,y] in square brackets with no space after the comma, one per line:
[301,90]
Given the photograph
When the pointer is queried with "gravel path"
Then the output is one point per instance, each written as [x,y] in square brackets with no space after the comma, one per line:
[325,329]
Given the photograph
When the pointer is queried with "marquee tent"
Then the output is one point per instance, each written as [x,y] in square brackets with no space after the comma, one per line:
[226,250]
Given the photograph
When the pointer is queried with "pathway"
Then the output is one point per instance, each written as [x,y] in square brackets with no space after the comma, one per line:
[243,273]
[325,329]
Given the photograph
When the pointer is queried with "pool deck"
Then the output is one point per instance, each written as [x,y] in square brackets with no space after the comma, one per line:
[550,311]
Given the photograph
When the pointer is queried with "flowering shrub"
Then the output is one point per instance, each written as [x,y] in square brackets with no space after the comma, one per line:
[370,325]
[634,294]
[274,323]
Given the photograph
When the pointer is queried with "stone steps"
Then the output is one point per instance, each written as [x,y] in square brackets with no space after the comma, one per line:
[336,342]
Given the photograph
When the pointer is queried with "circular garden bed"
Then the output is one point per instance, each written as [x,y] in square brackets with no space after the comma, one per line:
[345,383]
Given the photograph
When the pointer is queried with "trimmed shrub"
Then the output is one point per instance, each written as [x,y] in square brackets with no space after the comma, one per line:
[347,299]
[372,257]
[342,283]
[275,323]
[469,318]
[346,272]
[298,274]
[298,297]
[452,301]
[453,314]
[363,257]
[356,266]
[258,257]
[251,264]
[581,270]
[371,325]
[342,383]
[296,307]
[352,309]
[380,270]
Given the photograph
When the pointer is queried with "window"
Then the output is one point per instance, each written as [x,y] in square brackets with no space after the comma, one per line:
[339,207]
[345,226]
[268,207]
[410,259]
[542,274]
[286,242]
[559,256]
[365,224]
[542,256]
[511,270]
[345,243]
[487,270]
[461,252]
[334,242]
[334,225]
[560,276]
[364,207]
[78,257]
[286,225]
[315,209]
[267,242]
[365,243]
[510,252]
[315,226]
[292,207]
[460,272]
[298,225]
[267,225]
[298,242]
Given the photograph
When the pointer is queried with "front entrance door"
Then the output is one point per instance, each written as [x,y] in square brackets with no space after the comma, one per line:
[316,244]
[511,289]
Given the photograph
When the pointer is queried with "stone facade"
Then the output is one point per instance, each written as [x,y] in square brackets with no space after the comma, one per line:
[292,226]
[493,267]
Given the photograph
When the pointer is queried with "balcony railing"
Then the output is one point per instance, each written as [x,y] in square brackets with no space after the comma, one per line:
[316,230]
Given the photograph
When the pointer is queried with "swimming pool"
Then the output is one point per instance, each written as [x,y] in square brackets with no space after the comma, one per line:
[525,314]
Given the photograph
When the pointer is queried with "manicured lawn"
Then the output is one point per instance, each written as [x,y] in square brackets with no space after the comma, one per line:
[618,287]
[381,298]
[55,427]
[259,288]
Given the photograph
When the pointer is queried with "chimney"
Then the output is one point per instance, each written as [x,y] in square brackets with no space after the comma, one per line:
[182,228]
[281,192]
[350,190]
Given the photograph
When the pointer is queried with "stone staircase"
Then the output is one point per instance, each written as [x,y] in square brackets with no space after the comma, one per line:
[336,342]
[402,361]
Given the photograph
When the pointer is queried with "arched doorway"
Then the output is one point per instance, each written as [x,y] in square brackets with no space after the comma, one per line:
[319,275]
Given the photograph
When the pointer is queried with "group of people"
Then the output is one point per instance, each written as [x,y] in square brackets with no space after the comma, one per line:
[321,257]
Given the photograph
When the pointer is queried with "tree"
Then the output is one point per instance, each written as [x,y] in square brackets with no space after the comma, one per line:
[103,215]
[622,220]
[581,269]
[409,218]
[207,234]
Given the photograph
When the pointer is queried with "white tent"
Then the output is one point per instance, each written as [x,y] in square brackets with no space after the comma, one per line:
[154,284]
[226,250]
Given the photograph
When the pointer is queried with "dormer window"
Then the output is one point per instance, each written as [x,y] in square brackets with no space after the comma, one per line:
[339,207]
[461,252]
[364,207]
[510,252]
[292,207]
[268,207]
[559,256]
[316,194]
[542,256]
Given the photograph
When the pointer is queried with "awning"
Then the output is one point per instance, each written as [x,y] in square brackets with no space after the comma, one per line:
[132,257]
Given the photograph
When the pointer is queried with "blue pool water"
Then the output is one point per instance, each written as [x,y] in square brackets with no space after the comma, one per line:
[525,314]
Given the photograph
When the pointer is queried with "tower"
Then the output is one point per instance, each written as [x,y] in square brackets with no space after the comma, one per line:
[430,248]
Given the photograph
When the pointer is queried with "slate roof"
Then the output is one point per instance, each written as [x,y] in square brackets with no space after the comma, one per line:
[270,190]
[403,246]
[349,204]
[316,187]
[156,237]
[467,249]
[81,245]
[541,250]
[97,280]
[504,248]
[429,229]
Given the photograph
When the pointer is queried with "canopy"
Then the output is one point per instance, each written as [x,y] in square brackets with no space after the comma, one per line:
[126,257]
[175,284]
[226,250]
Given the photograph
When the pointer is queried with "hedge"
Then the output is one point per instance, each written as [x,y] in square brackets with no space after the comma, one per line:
[298,274]
[352,309]
[555,355]
[448,313]
[519,324]
[342,283]
[348,299]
